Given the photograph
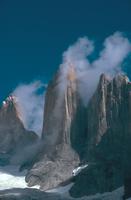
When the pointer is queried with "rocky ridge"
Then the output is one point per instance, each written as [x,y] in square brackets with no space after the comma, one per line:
[108,138]
[58,159]
[13,134]
[98,134]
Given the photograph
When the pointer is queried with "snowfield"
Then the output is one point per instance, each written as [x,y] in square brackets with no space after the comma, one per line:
[11,178]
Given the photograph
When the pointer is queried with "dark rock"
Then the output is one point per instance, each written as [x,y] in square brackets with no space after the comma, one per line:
[13,135]
[108,138]
[99,134]
[58,158]
[28,194]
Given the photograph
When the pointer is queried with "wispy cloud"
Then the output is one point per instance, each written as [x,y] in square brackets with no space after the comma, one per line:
[31,102]
[115,49]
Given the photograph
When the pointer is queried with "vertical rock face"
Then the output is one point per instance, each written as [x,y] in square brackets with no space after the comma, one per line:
[64,121]
[108,138]
[58,157]
[96,114]
[13,135]
[60,109]
[108,113]
[100,134]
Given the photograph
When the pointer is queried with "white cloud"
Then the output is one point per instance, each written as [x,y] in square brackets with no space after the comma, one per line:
[116,48]
[31,103]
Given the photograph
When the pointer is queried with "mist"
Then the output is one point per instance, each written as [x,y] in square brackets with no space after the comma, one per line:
[27,155]
[30,99]
[111,58]
[110,61]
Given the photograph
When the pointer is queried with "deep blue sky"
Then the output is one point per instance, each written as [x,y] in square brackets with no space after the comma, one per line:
[34,33]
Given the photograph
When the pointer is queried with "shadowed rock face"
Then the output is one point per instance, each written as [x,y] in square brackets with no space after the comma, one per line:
[58,159]
[108,138]
[99,134]
[64,115]
[13,135]
[29,194]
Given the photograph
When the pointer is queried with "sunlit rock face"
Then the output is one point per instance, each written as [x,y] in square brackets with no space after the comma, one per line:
[64,116]
[60,108]
[13,135]
[61,124]
[108,146]
[98,134]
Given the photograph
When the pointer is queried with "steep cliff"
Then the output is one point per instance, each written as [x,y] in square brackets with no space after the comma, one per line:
[61,124]
[99,134]
[108,138]
[65,114]
[13,135]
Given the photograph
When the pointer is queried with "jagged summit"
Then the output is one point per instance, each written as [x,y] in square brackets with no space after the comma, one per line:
[108,138]
[63,117]
[9,101]
[98,134]
[71,75]
[61,103]
[59,158]
[12,131]
[10,107]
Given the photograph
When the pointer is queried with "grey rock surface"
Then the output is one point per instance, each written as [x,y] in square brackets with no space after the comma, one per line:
[33,194]
[108,138]
[99,134]
[27,194]
[58,158]
[13,134]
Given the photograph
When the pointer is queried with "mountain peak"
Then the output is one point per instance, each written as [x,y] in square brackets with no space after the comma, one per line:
[10,105]
[12,131]
[121,79]
[71,76]
[10,100]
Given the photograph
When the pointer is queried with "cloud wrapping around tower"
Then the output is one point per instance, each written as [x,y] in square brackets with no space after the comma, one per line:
[115,49]
[31,104]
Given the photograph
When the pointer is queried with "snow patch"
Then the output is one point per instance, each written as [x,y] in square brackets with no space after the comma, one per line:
[77,170]
[10,177]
